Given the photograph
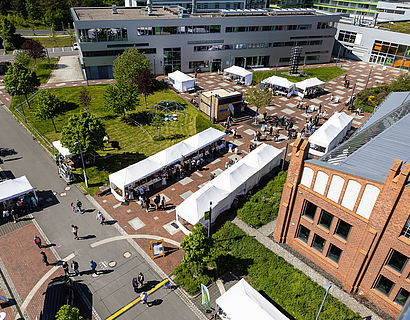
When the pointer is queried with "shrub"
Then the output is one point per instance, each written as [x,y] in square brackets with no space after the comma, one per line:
[185,276]
[263,206]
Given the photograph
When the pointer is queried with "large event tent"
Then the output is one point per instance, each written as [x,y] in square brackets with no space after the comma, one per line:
[281,82]
[149,166]
[14,188]
[307,84]
[181,81]
[65,152]
[240,72]
[243,302]
[222,190]
[330,134]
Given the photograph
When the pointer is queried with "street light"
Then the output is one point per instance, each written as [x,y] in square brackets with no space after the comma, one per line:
[210,218]
[82,160]
[21,105]
[328,286]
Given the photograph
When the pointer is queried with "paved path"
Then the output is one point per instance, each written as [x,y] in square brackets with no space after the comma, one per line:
[67,69]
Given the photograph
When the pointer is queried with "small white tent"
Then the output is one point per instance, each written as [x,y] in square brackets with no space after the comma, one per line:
[240,72]
[289,86]
[14,188]
[330,134]
[306,84]
[180,81]
[243,302]
[65,152]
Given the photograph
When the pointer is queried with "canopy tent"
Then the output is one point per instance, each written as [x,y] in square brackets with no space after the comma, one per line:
[240,72]
[14,188]
[65,152]
[149,166]
[222,190]
[330,134]
[180,81]
[281,82]
[309,83]
[243,302]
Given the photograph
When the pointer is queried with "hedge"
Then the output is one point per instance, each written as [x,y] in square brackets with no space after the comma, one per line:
[263,206]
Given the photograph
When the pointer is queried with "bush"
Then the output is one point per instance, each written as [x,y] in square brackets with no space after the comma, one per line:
[263,206]
[185,276]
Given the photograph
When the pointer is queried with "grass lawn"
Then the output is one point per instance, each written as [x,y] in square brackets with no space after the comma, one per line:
[133,142]
[323,73]
[403,26]
[50,42]
[42,69]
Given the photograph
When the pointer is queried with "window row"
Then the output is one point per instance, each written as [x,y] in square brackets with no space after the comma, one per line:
[385,286]
[318,243]
[269,28]
[103,34]
[115,52]
[394,49]
[149,31]
[325,220]
[347,36]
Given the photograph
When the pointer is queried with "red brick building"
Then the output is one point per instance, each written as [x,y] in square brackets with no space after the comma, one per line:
[349,211]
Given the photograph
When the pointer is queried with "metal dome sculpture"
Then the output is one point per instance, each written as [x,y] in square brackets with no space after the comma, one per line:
[167,109]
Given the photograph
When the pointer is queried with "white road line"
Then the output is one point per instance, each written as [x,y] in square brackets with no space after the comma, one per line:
[134,236]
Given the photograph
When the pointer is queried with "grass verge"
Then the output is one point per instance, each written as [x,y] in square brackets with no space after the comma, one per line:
[54,42]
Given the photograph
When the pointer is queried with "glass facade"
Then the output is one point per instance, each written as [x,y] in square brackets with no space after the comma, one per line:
[172,59]
[103,34]
[391,54]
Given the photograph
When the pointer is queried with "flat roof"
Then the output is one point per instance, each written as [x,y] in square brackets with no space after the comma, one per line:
[122,13]
[221,92]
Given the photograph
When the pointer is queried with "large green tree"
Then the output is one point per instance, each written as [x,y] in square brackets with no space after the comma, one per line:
[84,100]
[196,247]
[259,98]
[33,48]
[48,106]
[86,129]
[7,33]
[68,312]
[120,98]
[128,65]
[20,80]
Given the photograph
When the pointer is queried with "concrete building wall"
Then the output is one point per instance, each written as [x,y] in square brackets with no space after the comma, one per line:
[393,11]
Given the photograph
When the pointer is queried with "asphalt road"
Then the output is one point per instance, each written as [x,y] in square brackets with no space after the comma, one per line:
[109,291]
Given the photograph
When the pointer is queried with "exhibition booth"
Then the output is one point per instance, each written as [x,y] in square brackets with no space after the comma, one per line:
[219,193]
[309,86]
[65,152]
[15,188]
[280,84]
[238,73]
[181,82]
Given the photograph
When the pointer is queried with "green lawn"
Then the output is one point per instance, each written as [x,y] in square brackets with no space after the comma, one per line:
[42,69]
[403,26]
[133,142]
[323,73]
[50,42]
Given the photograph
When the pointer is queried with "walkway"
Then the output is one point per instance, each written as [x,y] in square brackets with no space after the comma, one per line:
[336,292]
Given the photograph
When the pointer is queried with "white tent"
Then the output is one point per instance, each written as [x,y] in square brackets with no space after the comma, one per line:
[240,72]
[180,81]
[65,152]
[330,134]
[281,82]
[222,190]
[309,83]
[149,166]
[14,188]
[243,302]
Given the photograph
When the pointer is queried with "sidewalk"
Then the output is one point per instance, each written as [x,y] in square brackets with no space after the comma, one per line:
[336,292]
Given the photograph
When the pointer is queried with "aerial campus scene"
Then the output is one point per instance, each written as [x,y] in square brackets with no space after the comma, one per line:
[204,159]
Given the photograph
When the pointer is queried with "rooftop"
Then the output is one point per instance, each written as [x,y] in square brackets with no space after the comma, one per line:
[372,150]
[221,93]
[402,27]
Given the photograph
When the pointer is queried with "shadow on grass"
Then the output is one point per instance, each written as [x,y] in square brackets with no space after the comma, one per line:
[68,105]
[228,262]
[142,117]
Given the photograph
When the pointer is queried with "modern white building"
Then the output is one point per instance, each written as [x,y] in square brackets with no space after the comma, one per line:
[174,40]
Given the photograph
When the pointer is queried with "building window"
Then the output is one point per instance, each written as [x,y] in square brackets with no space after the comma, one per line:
[406,229]
[343,229]
[397,261]
[303,233]
[401,297]
[318,243]
[334,253]
[384,285]
[347,36]
[310,210]
[325,219]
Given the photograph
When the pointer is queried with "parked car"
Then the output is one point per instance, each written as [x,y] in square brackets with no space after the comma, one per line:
[60,291]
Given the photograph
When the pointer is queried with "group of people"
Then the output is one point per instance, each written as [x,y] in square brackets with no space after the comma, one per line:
[15,208]
[145,201]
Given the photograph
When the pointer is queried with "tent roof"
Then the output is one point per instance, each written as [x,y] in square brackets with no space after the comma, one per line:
[309,83]
[238,71]
[13,188]
[180,76]
[279,81]
[164,158]
[330,129]
[63,150]
[242,301]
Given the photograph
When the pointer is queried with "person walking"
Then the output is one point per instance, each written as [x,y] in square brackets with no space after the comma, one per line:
[73,207]
[79,206]
[147,204]
[140,279]
[144,298]
[157,201]
[14,215]
[74,266]
[74,230]
[65,268]
[163,203]
[37,241]
[45,260]
[93,266]
[100,217]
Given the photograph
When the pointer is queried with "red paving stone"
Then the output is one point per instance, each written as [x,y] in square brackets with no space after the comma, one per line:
[8,310]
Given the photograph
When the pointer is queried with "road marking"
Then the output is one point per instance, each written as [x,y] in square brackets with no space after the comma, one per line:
[40,283]
[134,236]
[135,301]
[116,205]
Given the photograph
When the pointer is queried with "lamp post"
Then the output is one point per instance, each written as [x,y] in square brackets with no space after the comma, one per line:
[82,160]
[210,218]
[21,105]
[328,286]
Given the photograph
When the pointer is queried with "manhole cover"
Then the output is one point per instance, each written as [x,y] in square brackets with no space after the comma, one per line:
[112,264]
[127,254]
[63,194]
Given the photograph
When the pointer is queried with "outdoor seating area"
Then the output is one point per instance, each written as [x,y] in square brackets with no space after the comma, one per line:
[239,75]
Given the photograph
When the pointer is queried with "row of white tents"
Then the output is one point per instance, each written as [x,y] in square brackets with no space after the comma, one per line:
[298,88]
[221,191]
[14,188]
[130,175]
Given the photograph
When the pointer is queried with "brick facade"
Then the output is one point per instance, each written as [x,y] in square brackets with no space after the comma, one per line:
[369,242]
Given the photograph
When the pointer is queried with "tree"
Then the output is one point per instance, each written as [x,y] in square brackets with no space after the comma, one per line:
[33,48]
[196,246]
[86,129]
[146,83]
[84,99]
[48,106]
[259,98]
[23,58]
[7,33]
[68,312]
[119,98]
[128,65]
[20,80]
[157,122]
[33,10]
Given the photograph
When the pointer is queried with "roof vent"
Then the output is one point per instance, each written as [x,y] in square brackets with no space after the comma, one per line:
[114,9]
